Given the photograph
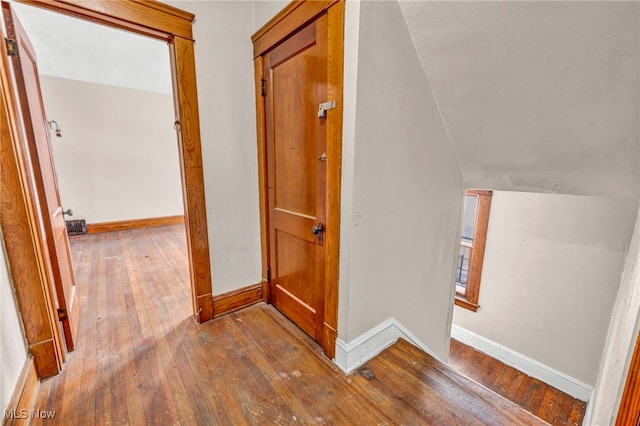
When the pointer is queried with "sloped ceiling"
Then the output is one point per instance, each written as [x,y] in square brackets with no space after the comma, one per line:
[536,96]
[79,50]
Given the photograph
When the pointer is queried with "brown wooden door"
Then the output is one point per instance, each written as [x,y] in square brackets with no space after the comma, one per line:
[35,126]
[296,139]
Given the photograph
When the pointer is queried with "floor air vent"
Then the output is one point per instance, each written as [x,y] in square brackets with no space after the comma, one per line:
[76,227]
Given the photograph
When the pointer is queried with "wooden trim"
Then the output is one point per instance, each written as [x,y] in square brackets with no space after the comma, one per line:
[146,17]
[121,225]
[335,75]
[290,19]
[469,299]
[25,393]
[237,299]
[464,303]
[165,22]
[25,247]
[480,192]
[183,70]
[479,243]
[258,64]
[629,411]
[293,16]
[28,258]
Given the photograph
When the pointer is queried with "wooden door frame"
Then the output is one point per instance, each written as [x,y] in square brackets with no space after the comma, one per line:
[294,16]
[630,402]
[25,246]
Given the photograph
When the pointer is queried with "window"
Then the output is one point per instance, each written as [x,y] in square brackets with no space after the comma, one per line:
[474,233]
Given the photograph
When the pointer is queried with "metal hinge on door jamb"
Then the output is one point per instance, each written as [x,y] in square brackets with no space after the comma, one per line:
[268,275]
[11,45]
[262,89]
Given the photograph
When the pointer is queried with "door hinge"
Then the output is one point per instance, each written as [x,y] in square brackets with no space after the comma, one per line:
[262,87]
[12,46]
[62,314]
[268,275]
[323,107]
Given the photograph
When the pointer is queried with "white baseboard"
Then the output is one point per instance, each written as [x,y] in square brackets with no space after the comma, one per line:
[586,420]
[531,367]
[351,355]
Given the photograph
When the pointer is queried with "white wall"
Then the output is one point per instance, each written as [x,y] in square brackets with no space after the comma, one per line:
[550,276]
[265,10]
[402,193]
[621,339]
[118,155]
[13,350]
[76,49]
[224,65]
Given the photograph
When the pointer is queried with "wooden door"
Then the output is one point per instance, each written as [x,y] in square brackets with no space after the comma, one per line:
[629,412]
[25,70]
[296,139]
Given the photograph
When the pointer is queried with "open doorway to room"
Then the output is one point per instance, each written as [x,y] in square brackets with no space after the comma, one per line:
[29,161]
[108,100]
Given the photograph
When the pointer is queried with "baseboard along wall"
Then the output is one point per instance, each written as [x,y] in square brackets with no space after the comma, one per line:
[121,225]
[351,355]
[237,299]
[24,395]
[531,367]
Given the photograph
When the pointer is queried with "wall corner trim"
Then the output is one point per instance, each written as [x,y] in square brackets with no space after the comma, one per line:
[531,367]
[353,354]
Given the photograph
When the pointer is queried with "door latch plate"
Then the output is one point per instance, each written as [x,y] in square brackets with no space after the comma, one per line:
[322,109]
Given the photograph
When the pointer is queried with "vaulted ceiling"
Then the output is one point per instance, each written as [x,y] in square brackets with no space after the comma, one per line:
[539,96]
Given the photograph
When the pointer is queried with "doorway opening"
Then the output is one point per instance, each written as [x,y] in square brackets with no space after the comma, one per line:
[298,57]
[151,19]
[108,95]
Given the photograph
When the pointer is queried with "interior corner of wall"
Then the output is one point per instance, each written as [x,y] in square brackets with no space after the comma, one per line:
[352,354]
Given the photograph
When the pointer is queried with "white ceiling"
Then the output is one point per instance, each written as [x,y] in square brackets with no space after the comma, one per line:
[540,96]
[75,49]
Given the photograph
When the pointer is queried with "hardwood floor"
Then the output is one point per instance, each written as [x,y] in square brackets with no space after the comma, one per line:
[544,401]
[142,359]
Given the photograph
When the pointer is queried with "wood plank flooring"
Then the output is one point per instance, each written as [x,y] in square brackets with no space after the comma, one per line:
[544,401]
[141,359]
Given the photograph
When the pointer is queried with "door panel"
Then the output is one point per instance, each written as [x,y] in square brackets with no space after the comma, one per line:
[38,140]
[295,74]
[294,121]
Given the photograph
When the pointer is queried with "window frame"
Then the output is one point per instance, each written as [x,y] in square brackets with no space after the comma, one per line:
[468,298]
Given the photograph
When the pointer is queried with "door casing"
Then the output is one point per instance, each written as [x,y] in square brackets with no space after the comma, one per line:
[293,17]
[149,18]
[629,410]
